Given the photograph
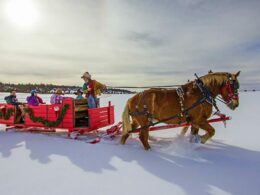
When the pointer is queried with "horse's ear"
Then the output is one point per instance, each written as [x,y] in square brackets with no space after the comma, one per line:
[237,74]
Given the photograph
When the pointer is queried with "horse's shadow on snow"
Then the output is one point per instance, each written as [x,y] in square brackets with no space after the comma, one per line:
[193,168]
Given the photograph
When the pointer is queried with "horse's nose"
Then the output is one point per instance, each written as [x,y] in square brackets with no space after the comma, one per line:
[235,104]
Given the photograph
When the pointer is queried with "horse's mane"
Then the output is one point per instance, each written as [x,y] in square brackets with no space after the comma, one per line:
[218,78]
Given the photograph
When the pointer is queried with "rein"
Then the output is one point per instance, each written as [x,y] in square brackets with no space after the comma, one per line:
[206,96]
[221,100]
[206,93]
[200,101]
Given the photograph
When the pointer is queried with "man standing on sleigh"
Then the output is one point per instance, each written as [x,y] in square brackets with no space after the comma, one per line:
[92,89]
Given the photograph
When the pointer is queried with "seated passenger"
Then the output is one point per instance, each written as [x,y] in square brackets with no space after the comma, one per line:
[79,94]
[33,100]
[40,99]
[56,98]
[12,99]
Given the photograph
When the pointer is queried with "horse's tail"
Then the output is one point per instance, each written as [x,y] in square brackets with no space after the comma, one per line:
[126,120]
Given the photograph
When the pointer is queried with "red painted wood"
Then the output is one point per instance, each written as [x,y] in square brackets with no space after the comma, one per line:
[98,117]
[38,111]
[11,119]
[54,117]
[101,117]
[53,113]
[98,110]
[97,122]
[111,115]
[68,121]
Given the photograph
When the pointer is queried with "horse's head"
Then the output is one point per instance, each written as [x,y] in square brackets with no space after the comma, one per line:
[229,91]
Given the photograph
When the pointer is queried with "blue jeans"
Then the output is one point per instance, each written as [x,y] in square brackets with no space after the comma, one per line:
[91,102]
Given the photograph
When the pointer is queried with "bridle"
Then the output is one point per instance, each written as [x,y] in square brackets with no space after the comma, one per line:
[231,86]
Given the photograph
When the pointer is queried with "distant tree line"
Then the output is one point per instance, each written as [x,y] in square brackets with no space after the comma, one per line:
[117,91]
[50,88]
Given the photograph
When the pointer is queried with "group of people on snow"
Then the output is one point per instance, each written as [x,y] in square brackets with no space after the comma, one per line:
[91,89]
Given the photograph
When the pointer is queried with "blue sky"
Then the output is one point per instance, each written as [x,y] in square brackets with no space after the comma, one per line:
[129,42]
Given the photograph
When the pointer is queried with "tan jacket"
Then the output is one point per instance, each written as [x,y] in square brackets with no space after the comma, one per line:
[98,87]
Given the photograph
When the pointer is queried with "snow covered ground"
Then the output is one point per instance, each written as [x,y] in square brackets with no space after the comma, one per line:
[228,164]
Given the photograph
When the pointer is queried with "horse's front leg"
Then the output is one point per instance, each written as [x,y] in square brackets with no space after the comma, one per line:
[194,137]
[124,138]
[194,130]
[144,136]
[210,131]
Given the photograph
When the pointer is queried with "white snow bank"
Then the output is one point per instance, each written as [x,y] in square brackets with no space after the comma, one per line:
[229,164]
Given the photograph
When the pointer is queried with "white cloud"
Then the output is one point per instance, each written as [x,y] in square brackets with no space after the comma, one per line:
[133,42]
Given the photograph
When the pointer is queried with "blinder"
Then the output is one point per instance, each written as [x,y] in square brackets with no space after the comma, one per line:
[231,87]
[234,86]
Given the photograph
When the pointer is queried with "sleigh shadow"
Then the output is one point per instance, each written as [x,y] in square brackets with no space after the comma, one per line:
[195,169]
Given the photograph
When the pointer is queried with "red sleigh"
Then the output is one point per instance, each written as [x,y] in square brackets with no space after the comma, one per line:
[72,115]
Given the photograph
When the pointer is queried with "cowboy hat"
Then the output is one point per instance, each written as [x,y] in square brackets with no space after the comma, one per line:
[86,75]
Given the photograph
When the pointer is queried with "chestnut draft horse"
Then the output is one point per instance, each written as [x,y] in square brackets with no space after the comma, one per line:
[184,103]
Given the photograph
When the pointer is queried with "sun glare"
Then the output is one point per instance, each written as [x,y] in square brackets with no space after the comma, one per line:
[21,12]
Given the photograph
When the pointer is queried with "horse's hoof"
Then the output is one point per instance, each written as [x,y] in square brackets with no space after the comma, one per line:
[122,141]
[147,148]
[195,139]
[204,139]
